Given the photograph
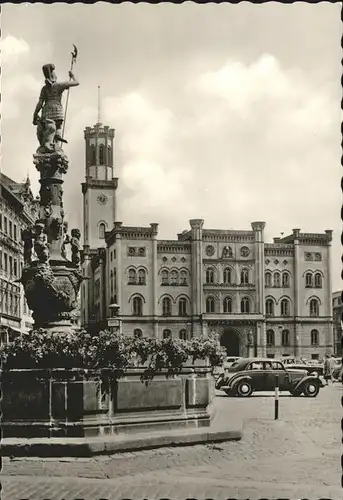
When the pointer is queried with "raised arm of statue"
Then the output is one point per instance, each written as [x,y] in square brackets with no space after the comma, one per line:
[72,82]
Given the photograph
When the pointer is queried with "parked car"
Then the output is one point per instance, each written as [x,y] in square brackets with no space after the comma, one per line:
[248,375]
[313,366]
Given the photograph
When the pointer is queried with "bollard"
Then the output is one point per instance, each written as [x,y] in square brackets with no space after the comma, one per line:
[276,400]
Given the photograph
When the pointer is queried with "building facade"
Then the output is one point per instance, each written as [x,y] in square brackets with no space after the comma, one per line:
[276,297]
[18,210]
[337,309]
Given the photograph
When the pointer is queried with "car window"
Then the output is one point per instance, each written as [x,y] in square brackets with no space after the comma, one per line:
[256,365]
[238,366]
[277,366]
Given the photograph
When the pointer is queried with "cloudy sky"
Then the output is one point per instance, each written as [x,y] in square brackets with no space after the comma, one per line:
[229,113]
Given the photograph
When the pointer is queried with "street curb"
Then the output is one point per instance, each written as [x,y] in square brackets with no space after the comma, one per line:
[87,447]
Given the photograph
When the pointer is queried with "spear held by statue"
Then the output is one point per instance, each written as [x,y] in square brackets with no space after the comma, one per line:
[49,124]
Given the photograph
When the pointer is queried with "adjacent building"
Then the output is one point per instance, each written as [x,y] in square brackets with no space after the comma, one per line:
[18,210]
[337,308]
[274,298]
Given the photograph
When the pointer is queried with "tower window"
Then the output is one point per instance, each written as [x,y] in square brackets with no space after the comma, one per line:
[210,275]
[102,154]
[277,280]
[314,308]
[244,276]
[268,279]
[308,280]
[227,275]
[109,155]
[102,229]
[165,277]
[318,280]
[92,155]
[314,337]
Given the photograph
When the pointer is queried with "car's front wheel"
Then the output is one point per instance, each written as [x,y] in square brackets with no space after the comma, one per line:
[244,389]
[311,389]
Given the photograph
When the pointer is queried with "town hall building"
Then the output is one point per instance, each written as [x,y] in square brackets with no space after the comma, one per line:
[269,299]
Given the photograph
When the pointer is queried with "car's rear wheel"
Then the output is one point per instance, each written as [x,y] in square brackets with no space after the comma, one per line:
[311,389]
[244,389]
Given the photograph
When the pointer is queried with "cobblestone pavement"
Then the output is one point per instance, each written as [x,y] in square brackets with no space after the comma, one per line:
[295,457]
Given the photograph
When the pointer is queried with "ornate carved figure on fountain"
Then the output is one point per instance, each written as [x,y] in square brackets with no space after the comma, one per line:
[49,124]
[41,245]
[75,246]
[66,240]
[27,236]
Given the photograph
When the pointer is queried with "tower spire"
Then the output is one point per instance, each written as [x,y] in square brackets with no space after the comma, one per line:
[99,104]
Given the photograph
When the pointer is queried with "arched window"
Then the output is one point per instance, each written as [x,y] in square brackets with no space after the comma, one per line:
[269,307]
[314,337]
[245,305]
[244,276]
[165,277]
[102,154]
[183,334]
[109,155]
[210,305]
[227,305]
[132,276]
[182,307]
[183,277]
[268,279]
[102,229]
[227,275]
[137,306]
[308,280]
[166,306]
[270,337]
[141,277]
[285,279]
[277,280]
[285,308]
[92,155]
[167,334]
[137,333]
[210,275]
[318,280]
[314,307]
[174,278]
[285,341]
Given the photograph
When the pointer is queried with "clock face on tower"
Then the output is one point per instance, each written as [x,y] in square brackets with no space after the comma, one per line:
[102,199]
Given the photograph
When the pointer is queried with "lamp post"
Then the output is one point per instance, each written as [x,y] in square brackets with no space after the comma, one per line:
[250,343]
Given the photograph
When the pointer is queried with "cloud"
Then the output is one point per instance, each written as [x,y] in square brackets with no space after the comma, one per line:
[12,49]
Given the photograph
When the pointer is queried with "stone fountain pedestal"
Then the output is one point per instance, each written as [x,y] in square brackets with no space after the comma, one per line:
[51,281]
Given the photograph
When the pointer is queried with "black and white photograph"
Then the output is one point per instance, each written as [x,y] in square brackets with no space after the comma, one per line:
[170,251]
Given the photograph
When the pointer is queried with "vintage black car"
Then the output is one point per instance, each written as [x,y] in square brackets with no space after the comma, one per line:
[258,374]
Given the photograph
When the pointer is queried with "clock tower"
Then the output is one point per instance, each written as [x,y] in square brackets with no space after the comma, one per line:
[99,188]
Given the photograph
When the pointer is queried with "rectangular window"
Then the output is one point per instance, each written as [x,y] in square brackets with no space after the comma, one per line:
[5,225]
[15,232]
[0,259]
[0,222]
[10,229]
[11,264]
[5,263]
[15,268]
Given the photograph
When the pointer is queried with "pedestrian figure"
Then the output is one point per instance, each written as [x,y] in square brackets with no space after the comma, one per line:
[327,372]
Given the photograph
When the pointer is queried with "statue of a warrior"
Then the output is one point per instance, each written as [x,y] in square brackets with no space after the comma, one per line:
[41,243]
[49,124]
[75,246]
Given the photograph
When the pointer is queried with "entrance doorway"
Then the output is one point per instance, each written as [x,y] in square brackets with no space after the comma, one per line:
[230,339]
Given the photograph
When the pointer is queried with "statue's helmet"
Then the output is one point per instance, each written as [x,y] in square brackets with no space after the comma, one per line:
[49,72]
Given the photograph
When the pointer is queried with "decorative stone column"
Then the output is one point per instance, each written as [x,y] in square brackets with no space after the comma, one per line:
[51,281]
[297,288]
[197,270]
